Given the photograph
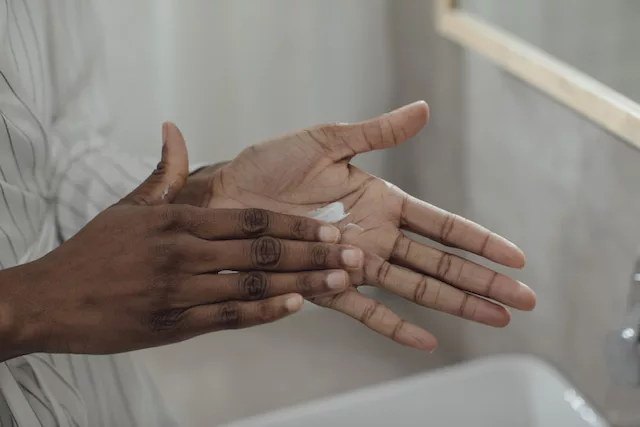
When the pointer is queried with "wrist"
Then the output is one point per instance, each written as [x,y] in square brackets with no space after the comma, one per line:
[17,331]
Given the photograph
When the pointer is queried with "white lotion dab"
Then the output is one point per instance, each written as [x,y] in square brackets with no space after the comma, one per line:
[332,213]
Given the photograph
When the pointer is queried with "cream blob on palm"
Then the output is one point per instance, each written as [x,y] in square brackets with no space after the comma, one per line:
[332,213]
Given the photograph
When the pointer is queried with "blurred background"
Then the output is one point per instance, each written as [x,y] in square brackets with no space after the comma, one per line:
[232,73]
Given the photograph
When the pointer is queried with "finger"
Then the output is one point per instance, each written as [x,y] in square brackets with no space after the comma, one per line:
[456,231]
[385,131]
[433,293]
[257,285]
[221,224]
[236,315]
[379,318]
[462,274]
[269,254]
[169,177]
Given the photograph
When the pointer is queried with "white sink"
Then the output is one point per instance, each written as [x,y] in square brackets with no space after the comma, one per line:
[500,391]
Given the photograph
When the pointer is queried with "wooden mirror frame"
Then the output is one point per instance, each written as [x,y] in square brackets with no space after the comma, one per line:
[593,99]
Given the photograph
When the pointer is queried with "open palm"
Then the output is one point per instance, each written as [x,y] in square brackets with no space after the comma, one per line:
[310,169]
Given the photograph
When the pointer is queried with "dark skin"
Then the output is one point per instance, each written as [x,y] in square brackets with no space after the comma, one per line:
[143,272]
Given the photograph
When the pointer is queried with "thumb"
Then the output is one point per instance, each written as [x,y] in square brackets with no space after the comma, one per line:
[169,177]
[382,132]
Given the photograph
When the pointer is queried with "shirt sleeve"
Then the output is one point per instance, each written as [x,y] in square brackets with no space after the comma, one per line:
[91,174]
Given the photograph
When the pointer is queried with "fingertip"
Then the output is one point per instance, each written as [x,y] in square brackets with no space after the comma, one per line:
[293,303]
[337,280]
[502,321]
[429,345]
[491,314]
[507,253]
[519,259]
[174,149]
[418,111]
[528,297]
[416,337]
[353,258]
[424,109]
[515,294]
[329,234]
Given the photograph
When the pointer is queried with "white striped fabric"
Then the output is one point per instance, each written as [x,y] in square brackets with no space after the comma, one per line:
[56,173]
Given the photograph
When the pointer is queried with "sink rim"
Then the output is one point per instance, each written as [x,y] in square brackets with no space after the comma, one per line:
[511,363]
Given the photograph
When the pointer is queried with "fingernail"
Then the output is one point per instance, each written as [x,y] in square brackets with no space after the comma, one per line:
[165,130]
[329,234]
[510,254]
[525,297]
[416,337]
[352,258]
[492,315]
[293,303]
[336,280]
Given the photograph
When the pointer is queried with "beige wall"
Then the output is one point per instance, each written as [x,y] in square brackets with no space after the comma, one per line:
[232,73]
[566,191]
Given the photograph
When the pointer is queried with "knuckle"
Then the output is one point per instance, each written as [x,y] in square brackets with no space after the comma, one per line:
[367,132]
[485,243]
[266,252]
[266,313]
[230,316]
[436,301]
[307,283]
[162,284]
[319,255]
[490,285]
[444,265]
[298,228]
[166,320]
[463,305]
[401,246]
[420,291]
[254,285]
[164,251]
[254,221]
[447,226]
[369,312]
[141,199]
[395,334]
[383,272]
[168,217]
[332,301]
[397,132]
[329,130]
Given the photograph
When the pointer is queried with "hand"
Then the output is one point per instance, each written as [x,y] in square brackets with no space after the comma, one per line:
[310,169]
[143,272]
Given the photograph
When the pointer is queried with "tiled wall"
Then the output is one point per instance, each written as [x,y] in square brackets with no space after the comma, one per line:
[566,191]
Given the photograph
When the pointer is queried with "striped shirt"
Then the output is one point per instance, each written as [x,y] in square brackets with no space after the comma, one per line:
[56,173]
